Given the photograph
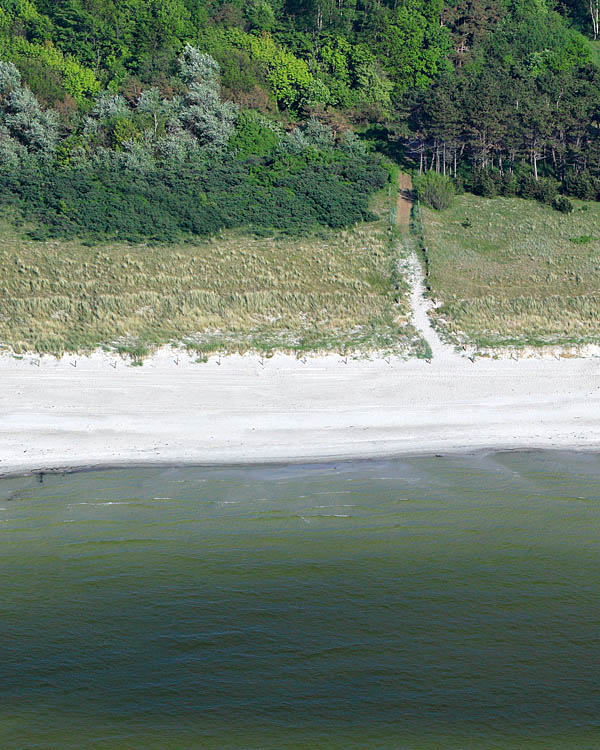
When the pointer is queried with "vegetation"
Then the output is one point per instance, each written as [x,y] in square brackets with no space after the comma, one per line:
[434,190]
[126,126]
[332,291]
[508,272]
[162,169]
[500,94]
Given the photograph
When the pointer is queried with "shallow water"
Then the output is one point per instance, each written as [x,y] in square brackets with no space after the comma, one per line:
[421,603]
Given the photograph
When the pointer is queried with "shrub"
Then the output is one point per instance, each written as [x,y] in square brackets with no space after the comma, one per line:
[508,185]
[562,204]
[485,183]
[546,190]
[580,185]
[543,189]
[527,187]
[253,136]
[435,190]
[112,200]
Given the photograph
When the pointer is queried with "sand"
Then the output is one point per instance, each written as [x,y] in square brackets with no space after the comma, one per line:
[241,409]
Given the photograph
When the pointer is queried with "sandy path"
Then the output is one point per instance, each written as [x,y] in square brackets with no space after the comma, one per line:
[404,202]
[420,304]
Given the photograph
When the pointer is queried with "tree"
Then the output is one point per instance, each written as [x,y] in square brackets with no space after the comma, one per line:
[414,44]
[204,114]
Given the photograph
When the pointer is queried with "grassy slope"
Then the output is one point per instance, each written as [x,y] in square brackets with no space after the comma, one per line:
[333,291]
[508,273]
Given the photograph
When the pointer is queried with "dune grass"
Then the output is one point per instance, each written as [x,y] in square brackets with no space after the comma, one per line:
[330,291]
[510,272]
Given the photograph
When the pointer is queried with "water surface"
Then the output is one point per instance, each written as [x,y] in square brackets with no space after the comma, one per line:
[421,603]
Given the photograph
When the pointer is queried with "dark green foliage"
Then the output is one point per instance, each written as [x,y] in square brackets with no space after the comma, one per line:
[562,204]
[546,190]
[197,198]
[484,182]
[253,136]
[491,182]
[527,187]
[580,185]
[508,184]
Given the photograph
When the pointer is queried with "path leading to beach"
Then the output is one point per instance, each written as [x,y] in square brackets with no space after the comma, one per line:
[420,304]
[404,202]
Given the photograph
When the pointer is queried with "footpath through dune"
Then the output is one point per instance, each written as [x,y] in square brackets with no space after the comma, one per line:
[411,267]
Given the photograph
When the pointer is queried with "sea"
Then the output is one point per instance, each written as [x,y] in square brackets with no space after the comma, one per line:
[418,603]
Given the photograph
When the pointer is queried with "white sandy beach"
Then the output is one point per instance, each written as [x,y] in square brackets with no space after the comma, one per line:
[56,415]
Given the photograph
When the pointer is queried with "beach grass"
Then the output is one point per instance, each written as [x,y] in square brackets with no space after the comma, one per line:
[329,291]
[510,272]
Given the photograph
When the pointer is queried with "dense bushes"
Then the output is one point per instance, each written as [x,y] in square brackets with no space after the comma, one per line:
[159,167]
[492,182]
[562,204]
[193,198]
[435,190]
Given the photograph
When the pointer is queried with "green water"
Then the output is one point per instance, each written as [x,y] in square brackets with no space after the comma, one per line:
[423,603]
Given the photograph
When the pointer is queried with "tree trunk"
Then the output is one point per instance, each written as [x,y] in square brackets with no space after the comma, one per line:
[595,16]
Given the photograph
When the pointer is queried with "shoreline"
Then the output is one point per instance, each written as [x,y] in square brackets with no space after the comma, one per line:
[96,412]
[299,463]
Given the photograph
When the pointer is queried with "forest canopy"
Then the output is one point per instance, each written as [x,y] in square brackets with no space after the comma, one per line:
[157,118]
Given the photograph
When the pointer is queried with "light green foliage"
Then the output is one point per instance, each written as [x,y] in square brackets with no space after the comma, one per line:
[434,190]
[288,76]
[78,81]
[416,46]
[260,15]
[353,75]
[125,131]
[539,42]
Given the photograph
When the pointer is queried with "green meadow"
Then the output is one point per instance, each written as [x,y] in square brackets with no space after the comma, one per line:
[510,272]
